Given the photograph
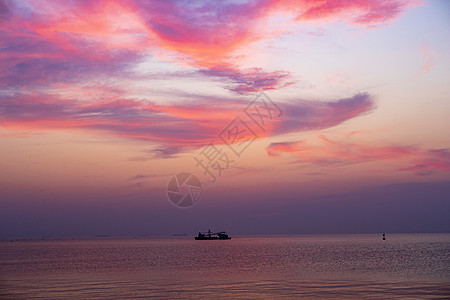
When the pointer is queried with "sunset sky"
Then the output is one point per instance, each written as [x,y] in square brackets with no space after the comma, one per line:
[102,102]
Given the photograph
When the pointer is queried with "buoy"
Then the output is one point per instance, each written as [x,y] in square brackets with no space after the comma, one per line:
[384,236]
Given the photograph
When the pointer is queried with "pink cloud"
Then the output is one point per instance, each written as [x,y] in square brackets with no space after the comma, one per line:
[45,42]
[334,154]
[174,126]
[209,32]
[49,49]
[365,12]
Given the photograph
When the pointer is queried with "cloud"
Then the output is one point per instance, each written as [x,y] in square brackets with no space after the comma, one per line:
[146,176]
[165,152]
[138,177]
[208,32]
[275,149]
[66,65]
[250,81]
[44,42]
[43,48]
[120,117]
[365,12]
[333,154]
[191,124]
[300,115]
[205,32]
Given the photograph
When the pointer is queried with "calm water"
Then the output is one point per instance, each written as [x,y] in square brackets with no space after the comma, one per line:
[334,266]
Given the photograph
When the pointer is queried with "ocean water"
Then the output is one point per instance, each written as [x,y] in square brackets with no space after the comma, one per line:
[412,266]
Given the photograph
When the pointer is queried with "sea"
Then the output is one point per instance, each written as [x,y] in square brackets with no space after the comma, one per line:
[404,266]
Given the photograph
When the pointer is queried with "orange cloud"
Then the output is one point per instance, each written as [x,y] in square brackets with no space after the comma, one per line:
[275,149]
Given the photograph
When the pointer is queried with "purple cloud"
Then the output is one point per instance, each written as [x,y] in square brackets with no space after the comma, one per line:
[250,81]
[308,115]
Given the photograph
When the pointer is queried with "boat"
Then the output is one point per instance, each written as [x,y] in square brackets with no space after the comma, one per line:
[221,235]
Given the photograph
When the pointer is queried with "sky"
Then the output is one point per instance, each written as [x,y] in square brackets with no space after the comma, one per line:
[295,116]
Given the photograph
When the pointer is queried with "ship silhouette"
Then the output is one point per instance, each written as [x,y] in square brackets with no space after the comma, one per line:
[221,235]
